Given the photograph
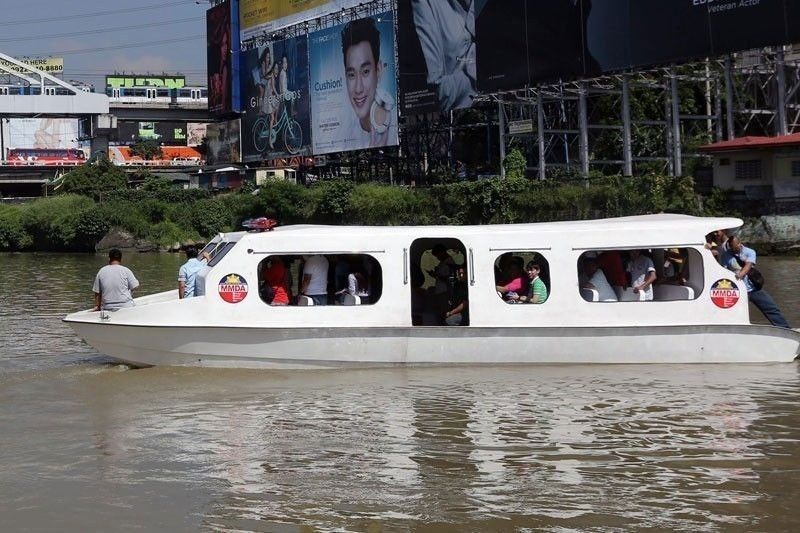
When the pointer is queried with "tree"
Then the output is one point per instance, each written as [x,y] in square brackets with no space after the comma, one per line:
[515,164]
[147,150]
[94,179]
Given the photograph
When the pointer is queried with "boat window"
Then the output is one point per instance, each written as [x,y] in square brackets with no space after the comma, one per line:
[439,287]
[522,277]
[314,280]
[658,274]
[219,251]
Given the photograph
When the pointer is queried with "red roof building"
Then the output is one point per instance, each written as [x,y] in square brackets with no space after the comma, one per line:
[760,167]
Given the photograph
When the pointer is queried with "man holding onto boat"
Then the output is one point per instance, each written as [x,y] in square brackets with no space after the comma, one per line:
[187,274]
[113,284]
[741,259]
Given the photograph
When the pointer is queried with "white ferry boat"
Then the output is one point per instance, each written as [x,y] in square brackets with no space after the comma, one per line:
[697,315]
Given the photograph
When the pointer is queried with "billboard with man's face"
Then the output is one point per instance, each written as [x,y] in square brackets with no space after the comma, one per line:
[277,110]
[352,84]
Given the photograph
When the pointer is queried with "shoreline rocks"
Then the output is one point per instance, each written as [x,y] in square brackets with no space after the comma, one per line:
[773,234]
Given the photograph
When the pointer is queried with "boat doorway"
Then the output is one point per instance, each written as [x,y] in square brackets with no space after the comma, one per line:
[439,287]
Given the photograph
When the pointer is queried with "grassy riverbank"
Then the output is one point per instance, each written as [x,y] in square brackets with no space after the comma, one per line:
[161,215]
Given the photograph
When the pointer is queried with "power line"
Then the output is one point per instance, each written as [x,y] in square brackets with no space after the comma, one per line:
[95,13]
[106,30]
[119,46]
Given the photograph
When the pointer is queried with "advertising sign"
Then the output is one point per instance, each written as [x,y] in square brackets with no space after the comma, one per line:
[520,42]
[173,133]
[50,133]
[277,119]
[436,45]
[258,16]
[218,47]
[195,133]
[50,65]
[352,84]
[148,80]
[223,143]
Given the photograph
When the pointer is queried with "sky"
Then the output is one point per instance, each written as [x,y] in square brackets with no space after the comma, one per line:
[96,38]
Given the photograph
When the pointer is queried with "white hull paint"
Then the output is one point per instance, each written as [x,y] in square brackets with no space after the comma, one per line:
[311,348]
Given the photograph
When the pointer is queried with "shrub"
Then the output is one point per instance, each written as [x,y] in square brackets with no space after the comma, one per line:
[331,200]
[12,234]
[210,217]
[94,180]
[373,204]
[285,201]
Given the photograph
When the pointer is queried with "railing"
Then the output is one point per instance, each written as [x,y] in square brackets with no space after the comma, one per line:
[39,163]
[160,163]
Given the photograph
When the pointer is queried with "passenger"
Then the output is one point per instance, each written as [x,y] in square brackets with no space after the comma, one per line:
[537,292]
[594,278]
[341,271]
[114,284]
[643,273]
[357,285]
[718,244]
[741,260]
[315,279]
[502,269]
[441,275]
[516,284]
[613,269]
[458,315]
[275,276]
[187,275]
[676,271]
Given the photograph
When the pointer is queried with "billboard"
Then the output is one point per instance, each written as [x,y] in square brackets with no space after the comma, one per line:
[352,85]
[173,133]
[521,42]
[45,133]
[223,143]
[195,133]
[147,80]
[531,40]
[259,16]
[222,47]
[436,45]
[277,110]
[50,65]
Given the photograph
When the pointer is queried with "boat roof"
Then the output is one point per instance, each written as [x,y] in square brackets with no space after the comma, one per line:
[663,224]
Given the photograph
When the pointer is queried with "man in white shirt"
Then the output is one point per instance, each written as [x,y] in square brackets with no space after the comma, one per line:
[643,273]
[594,278]
[315,279]
[373,122]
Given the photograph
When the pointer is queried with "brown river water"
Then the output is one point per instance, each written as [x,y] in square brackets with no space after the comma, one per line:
[89,445]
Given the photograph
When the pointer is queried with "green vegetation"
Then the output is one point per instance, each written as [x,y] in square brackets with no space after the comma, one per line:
[147,150]
[96,200]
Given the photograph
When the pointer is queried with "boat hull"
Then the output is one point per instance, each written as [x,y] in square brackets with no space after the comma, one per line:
[315,348]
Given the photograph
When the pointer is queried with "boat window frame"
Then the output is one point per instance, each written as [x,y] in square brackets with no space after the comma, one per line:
[220,251]
[547,280]
[332,298]
[698,288]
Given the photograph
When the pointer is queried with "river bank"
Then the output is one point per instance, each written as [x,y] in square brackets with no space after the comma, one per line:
[157,217]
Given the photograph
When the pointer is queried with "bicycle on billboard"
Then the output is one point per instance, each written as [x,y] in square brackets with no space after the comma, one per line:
[276,122]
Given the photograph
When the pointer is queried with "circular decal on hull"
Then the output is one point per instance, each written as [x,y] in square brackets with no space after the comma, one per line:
[232,288]
[724,293]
